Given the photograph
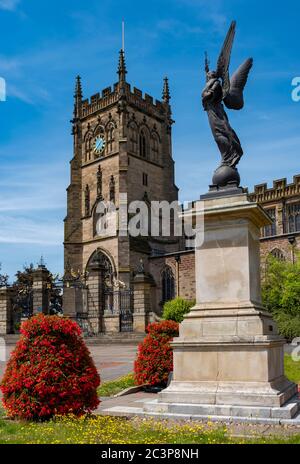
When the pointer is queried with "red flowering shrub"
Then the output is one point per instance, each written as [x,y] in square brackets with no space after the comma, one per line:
[155,355]
[50,372]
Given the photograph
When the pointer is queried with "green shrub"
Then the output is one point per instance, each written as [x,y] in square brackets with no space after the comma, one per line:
[281,295]
[175,310]
[288,326]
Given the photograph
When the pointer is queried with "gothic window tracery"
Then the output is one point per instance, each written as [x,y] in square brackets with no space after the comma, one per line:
[88,148]
[168,285]
[99,183]
[133,138]
[110,138]
[143,144]
[278,254]
[155,147]
[104,263]
[87,200]
[112,190]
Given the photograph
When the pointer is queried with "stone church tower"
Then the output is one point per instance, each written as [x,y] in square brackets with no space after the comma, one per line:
[122,145]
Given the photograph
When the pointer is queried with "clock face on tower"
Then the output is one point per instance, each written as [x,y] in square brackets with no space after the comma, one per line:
[99,145]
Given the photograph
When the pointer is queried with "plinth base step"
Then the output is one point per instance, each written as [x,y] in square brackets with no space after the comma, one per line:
[288,411]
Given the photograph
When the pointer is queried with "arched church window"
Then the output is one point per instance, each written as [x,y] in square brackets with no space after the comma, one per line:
[143,144]
[168,285]
[133,139]
[278,254]
[87,201]
[101,261]
[88,149]
[155,148]
[110,139]
[112,189]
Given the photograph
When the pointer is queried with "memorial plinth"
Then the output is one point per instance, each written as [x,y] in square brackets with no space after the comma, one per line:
[228,359]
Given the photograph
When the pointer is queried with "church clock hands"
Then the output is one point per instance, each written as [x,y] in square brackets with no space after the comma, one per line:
[99,145]
[220,88]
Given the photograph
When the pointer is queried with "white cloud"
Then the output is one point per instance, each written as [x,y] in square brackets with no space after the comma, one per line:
[9,5]
[32,203]
[18,230]
[33,187]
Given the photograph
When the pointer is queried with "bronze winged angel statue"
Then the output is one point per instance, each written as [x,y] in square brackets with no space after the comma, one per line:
[220,88]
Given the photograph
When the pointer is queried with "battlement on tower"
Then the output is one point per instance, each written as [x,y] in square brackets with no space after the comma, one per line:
[110,95]
[280,189]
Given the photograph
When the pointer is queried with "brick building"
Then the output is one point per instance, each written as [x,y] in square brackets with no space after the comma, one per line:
[123,151]
[282,202]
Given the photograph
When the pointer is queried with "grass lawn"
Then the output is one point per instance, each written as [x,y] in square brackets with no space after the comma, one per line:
[111,430]
[292,369]
[116,386]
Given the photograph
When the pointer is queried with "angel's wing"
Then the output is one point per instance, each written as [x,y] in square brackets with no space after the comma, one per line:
[235,98]
[224,59]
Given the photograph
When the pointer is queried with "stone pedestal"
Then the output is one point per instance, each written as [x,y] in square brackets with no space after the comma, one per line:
[228,359]
[111,323]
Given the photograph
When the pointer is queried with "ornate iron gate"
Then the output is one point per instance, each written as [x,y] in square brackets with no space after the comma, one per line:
[22,306]
[126,313]
[120,302]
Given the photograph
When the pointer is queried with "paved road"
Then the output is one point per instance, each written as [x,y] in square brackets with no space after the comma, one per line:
[112,361]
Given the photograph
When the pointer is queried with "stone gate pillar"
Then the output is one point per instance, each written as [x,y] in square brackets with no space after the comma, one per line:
[95,296]
[141,301]
[6,309]
[74,300]
[41,290]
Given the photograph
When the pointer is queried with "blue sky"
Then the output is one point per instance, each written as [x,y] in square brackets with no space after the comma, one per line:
[45,44]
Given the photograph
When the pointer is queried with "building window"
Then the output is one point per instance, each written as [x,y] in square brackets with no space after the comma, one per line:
[271,230]
[143,144]
[155,148]
[88,149]
[278,254]
[133,137]
[87,201]
[168,285]
[292,219]
[145,179]
[110,139]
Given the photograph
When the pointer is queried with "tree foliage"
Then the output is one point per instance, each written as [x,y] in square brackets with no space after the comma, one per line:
[23,287]
[3,279]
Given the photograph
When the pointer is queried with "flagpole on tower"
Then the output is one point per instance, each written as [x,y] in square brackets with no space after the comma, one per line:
[123,35]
